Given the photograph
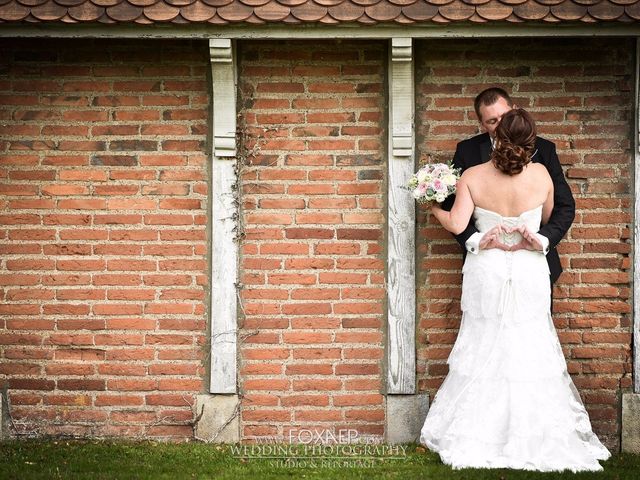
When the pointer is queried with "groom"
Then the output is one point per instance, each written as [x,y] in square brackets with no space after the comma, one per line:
[490,105]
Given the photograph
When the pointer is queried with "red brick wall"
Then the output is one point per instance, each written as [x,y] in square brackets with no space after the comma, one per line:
[313,189]
[102,235]
[580,92]
[103,273]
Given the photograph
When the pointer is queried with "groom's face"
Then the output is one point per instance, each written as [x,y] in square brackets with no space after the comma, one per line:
[490,115]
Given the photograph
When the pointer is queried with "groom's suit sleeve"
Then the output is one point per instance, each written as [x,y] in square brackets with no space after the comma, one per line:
[564,206]
[459,162]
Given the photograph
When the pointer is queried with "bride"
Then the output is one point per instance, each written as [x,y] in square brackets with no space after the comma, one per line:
[508,400]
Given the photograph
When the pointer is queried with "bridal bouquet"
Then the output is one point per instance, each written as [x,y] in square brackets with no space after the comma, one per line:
[434,182]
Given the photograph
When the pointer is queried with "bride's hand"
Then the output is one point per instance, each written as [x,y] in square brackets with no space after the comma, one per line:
[529,240]
[491,239]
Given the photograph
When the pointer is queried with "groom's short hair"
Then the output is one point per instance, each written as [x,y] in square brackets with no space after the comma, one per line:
[490,96]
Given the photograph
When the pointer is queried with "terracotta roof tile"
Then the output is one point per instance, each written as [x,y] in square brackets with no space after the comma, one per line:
[553,2]
[87,12]
[32,3]
[513,2]
[383,11]
[235,12]
[273,12]
[420,11]
[368,3]
[143,3]
[124,12]
[309,12]
[217,3]
[347,11]
[14,11]
[569,11]
[198,12]
[256,3]
[365,12]
[530,11]
[606,10]
[494,10]
[457,10]
[179,3]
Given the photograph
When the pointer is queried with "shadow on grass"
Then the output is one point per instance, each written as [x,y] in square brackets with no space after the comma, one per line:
[65,459]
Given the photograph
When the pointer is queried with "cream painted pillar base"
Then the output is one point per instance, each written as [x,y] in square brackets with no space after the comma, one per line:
[218,418]
[405,417]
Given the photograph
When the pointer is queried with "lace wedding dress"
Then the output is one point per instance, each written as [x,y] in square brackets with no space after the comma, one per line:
[508,401]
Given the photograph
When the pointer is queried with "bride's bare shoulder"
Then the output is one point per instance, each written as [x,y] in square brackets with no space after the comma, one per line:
[477,170]
[539,170]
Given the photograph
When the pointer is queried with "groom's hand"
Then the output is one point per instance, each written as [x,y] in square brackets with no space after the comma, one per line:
[491,239]
[529,240]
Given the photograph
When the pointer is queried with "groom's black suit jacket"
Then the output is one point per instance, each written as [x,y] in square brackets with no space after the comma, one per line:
[476,150]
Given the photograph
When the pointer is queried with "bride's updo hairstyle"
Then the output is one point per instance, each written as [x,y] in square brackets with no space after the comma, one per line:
[515,141]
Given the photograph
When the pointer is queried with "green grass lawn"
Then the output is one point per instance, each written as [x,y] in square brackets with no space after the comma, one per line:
[62,459]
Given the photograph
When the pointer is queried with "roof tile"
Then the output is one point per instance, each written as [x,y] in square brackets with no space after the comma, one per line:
[254,20]
[31,3]
[125,12]
[346,11]
[606,10]
[633,11]
[291,3]
[179,3]
[49,11]
[329,3]
[291,19]
[143,21]
[69,3]
[366,20]
[587,2]
[383,11]
[87,12]
[553,2]
[403,19]
[217,20]
[437,18]
[198,12]
[439,2]
[104,18]
[365,12]
[143,3]
[514,2]
[14,11]
[255,3]
[235,12]
[366,3]
[457,10]
[272,12]
[309,12]
[161,12]
[531,11]
[328,19]
[494,10]
[106,3]
[403,3]
[569,11]
[217,3]
[420,11]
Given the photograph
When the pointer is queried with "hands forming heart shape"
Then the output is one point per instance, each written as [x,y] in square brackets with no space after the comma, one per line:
[491,239]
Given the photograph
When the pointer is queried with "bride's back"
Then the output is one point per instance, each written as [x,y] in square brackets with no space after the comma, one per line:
[508,195]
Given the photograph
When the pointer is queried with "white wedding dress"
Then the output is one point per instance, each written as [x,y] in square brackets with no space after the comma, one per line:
[508,401]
